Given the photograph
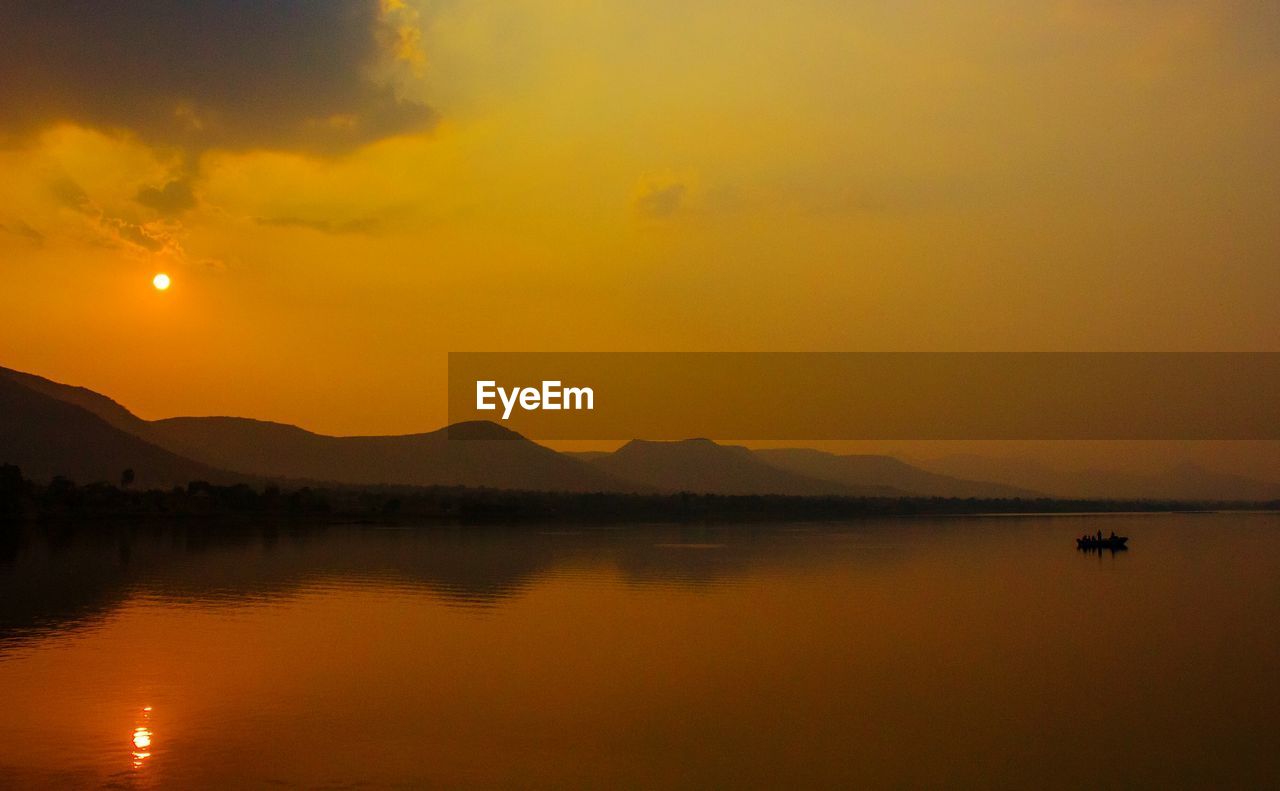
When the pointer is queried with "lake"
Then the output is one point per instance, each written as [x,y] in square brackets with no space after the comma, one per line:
[967,652]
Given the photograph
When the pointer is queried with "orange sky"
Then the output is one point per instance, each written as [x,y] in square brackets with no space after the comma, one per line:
[561,175]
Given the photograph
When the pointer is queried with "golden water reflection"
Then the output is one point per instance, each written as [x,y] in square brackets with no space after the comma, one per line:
[892,653]
[142,738]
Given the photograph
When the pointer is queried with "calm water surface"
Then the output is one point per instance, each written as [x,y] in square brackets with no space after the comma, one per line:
[975,652]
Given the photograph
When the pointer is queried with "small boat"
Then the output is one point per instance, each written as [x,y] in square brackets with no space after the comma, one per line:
[1111,542]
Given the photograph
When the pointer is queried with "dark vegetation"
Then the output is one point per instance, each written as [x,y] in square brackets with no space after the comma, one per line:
[62,499]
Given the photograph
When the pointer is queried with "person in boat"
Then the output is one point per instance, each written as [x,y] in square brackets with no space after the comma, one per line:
[1113,536]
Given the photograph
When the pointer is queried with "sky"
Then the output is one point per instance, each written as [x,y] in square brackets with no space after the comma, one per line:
[342,192]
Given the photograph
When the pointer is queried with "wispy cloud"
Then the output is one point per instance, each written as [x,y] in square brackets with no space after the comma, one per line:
[357,225]
[157,238]
[21,228]
[661,198]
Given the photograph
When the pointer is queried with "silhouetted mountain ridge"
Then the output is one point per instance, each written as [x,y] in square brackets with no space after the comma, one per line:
[480,454]
[102,406]
[48,428]
[474,454]
[1181,481]
[877,470]
[48,437]
[700,465]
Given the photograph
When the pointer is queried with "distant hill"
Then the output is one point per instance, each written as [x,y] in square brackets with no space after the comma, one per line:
[871,470]
[48,437]
[491,456]
[1178,482]
[700,465]
[83,397]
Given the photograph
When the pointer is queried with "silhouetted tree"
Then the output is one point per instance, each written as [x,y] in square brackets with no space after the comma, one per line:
[126,478]
[11,490]
[10,480]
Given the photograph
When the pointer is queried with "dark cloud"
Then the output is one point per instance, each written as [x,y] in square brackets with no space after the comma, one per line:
[660,201]
[171,199]
[195,74]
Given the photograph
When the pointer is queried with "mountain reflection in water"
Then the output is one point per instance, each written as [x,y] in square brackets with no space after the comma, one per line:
[899,652]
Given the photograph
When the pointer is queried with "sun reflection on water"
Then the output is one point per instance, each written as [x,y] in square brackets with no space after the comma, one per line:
[142,738]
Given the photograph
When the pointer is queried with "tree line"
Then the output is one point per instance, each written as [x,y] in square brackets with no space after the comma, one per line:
[63,499]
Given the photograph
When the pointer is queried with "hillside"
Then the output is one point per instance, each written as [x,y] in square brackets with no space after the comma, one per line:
[46,437]
[700,465]
[488,456]
[871,470]
[1181,481]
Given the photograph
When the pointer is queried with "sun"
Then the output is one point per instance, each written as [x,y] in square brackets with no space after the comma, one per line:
[160,281]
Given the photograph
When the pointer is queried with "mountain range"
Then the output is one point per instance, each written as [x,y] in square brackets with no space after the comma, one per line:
[230,448]
[701,465]
[48,428]
[1181,481]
